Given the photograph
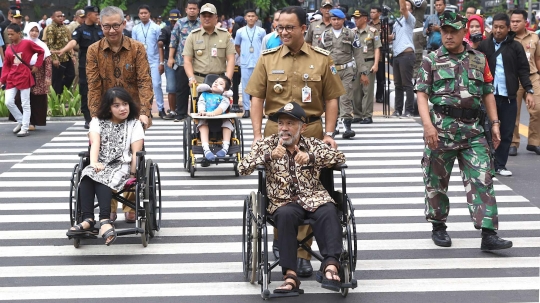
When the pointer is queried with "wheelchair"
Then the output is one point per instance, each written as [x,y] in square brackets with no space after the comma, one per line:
[257,267]
[192,145]
[147,205]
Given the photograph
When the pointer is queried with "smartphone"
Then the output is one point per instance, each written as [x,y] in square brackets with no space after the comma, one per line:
[175,66]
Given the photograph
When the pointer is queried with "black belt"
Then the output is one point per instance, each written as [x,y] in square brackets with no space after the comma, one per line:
[369,59]
[456,112]
[313,119]
[204,76]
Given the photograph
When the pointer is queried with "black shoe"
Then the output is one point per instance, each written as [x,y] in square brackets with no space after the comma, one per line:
[379,100]
[356,120]
[275,249]
[179,117]
[439,235]
[348,134]
[406,115]
[490,241]
[367,120]
[246,114]
[86,125]
[235,108]
[396,114]
[533,148]
[336,132]
[162,114]
[170,115]
[304,268]
[512,151]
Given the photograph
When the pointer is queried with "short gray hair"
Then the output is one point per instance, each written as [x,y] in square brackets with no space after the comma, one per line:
[111,11]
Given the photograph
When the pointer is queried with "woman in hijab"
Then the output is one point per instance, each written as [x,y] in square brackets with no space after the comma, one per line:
[38,93]
[475,35]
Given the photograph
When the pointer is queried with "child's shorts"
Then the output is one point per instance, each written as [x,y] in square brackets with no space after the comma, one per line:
[225,123]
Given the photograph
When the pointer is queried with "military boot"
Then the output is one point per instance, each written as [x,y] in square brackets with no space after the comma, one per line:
[490,241]
[439,235]
[349,133]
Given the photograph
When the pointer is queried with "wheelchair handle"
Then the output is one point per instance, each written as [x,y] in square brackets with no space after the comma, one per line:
[260,168]
[340,166]
[141,153]
[84,154]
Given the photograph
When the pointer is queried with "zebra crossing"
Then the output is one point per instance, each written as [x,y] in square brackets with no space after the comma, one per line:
[197,254]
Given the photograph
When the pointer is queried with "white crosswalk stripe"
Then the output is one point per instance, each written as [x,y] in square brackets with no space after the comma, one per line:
[198,251]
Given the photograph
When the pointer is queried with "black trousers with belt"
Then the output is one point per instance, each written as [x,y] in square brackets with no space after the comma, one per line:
[506,112]
[326,228]
[182,91]
[380,80]
[63,76]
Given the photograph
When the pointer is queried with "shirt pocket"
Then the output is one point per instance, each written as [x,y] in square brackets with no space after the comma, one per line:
[347,46]
[221,49]
[275,79]
[444,81]
[198,47]
[476,82]
[315,83]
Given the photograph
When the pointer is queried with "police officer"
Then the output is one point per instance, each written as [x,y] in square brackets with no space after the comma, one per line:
[343,45]
[316,28]
[208,50]
[456,79]
[84,36]
[363,90]
[296,72]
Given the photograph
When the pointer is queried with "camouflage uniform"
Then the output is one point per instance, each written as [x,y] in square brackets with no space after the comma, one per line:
[458,81]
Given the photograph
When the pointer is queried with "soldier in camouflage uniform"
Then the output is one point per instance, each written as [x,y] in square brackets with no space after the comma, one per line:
[456,79]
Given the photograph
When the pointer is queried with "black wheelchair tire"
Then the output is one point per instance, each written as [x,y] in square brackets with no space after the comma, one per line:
[236,172]
[73,194]
[184,144]
[352,227]
[346,279]
[246,240]
[76,242]
[157,206]
[150,194]
[144,234]
[189,139]
[191,168]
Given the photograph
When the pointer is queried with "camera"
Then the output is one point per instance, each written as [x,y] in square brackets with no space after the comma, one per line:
[386,10]
[476,37]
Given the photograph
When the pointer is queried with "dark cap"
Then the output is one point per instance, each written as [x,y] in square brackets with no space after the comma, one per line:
[15,13]
[174,14]
[360,13]
[91,9]
[454,20]
[292,109]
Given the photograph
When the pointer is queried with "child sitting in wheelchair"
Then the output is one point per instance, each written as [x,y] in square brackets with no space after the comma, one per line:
[213,101]
[293,164]
[115,138]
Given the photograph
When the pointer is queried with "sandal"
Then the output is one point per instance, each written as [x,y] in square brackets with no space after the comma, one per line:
[295,286]
[109,232]
[79,228]
[331,284]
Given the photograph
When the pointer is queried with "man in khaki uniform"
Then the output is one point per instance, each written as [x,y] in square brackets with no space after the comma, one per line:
[296,72]
[208,50]
[343,45]
[370,45]
[316,28]
[530,43]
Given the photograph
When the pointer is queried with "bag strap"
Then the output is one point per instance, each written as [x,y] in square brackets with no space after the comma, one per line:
[20,59]
[495,54]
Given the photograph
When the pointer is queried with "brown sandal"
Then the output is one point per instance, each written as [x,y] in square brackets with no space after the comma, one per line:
[331,284]
[295,286]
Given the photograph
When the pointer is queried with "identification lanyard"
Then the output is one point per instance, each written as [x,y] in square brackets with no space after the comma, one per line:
[145,34]
[251,49]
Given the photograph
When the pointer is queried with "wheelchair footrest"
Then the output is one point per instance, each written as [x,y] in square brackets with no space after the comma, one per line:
[91,234]
[129,231]
[233,150]
[285,295]
[353,284]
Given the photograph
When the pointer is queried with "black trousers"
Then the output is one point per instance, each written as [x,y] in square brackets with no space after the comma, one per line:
[237,76]
[380,80]
[88,189]
[506,111]
[63,76]
[326,228]
[182,91]
[403,73]
[83,91]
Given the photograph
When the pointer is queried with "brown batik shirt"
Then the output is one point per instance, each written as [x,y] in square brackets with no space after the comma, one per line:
[128,68]
[58,36]
[289,182]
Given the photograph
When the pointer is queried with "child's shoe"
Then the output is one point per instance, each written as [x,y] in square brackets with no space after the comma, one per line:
[209,155]
[221,153]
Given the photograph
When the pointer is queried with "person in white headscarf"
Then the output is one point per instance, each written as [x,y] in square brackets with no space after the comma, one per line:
[38,93]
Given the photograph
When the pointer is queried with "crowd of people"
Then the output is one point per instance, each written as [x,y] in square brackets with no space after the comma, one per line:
[295,73]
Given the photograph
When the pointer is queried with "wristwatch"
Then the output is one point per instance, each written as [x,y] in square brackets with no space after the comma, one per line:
[496,122]
[329,134]
[530,91]
[191,78]
[366,72]
[162,63]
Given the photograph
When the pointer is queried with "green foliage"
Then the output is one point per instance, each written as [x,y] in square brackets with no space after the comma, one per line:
[66,104]
[4,112]
[37,11]
[122,4]
[170,5]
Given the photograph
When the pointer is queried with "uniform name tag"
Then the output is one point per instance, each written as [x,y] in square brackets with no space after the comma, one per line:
[278,71]
[441,66]
[199,42]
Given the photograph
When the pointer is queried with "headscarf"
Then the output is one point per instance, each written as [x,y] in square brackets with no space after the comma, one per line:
[479,19]
[42,44]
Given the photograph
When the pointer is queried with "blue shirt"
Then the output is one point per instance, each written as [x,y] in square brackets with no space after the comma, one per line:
[273,41]
[403,34]
[499,81]
[179,34]
[248,38]
[148,34]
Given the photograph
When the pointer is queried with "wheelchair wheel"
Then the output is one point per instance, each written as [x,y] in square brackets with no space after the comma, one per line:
[236,172]
[191,168]
[239,134]
[346,279]
[255,238]
[149,195]
[157,205]
[144,234]
[351,226]
[184,143]
[188,137]
[247,248]
[73,194]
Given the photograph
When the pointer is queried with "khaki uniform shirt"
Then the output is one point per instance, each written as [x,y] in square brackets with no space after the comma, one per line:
[57,37]
[315,31]
[378,27]
[531,47]
[72,26]
[287,181]
[127,68]
[369,37]
[199,46]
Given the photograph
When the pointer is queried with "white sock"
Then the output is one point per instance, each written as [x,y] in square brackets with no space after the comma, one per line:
[226,146]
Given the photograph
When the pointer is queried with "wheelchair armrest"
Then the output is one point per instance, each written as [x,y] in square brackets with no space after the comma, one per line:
[84,154]
[141,153]
[261,168]
[339,167]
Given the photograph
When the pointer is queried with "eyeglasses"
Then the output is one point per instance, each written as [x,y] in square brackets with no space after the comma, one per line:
[107,27]
[288,28]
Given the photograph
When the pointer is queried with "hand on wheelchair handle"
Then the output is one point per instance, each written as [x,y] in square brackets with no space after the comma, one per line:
[279,151]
